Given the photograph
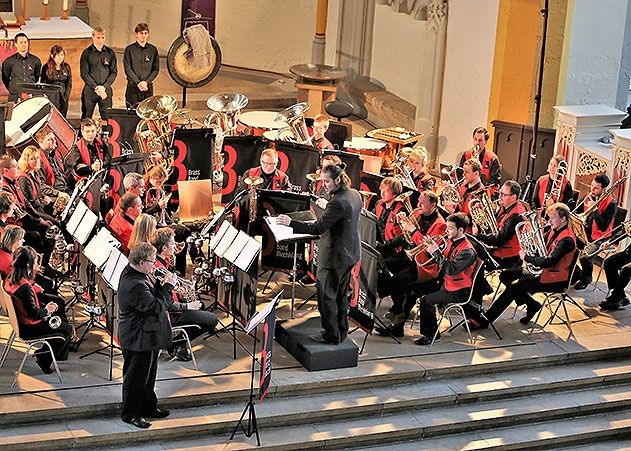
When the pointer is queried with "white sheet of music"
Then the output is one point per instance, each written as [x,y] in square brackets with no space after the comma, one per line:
[226,241]
[114,268]
[214,241]
[99,248]
[283,232]
[248,254]
[235,248]
[82,222]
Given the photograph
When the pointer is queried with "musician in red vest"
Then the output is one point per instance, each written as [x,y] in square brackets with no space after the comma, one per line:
[33,306]
[7,209]
[417,163]
[122,224]
[320,126]
[472,183]
[491,171]
[457,264]
[386,210]
[89,154]
[273,178]
[599,222]
[543,196]
[505,243]
[52,161]
[560,246]
[407,274]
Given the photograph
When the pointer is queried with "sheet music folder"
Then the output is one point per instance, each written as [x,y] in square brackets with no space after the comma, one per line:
[81,223]
[262,314]
[284,233]
[100,247]
[116,262]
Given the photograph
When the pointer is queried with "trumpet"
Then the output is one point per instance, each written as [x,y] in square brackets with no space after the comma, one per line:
[405,199]
[184,287]
[439,240]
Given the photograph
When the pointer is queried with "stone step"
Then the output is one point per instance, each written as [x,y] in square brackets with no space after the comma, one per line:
[462,387]
[424,409]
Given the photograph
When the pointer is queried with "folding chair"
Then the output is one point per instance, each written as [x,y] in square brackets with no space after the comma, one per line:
[175,330]
[621,215]
[7,302]
[561,299]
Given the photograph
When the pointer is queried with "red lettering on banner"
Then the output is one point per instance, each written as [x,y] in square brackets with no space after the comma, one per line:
[228,169]
[117,181]
[180,157]
[283,161]
[113,140]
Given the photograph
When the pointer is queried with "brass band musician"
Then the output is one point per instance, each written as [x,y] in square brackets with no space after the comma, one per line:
[471,184]
[417,163]
[544,194]
[618,271]
[320,126]
[560,245]
[273,178]
[386,210]
[52,162]
[599,222]
[490,168]
[89,154]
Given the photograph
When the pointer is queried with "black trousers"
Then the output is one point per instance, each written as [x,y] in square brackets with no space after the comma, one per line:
[139,380]
[519,288]
[133,95]
[207,322]
[89,101]
[42,329]
[399,269]
[333,293]
[618,271]
[427,308]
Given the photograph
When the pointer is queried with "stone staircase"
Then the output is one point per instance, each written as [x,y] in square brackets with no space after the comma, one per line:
[532,400]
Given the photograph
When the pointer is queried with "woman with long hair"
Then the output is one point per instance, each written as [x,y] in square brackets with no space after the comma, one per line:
[31,182]
[57,72]
[144,228]
[33,308]
[11,238]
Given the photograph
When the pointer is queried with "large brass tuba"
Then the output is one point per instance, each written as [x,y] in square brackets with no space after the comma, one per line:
[252,183]
[296,129]
[226,108]
[530,236]
[153,132]
[482,212]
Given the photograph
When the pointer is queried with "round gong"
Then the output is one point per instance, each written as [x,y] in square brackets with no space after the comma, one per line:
[181,69]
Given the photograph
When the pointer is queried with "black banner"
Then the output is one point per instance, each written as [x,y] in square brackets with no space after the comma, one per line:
[353,165]
[192,157]
[362,302]
[370,182]
[266,353]
[240,153]
[274,255]
[297,160]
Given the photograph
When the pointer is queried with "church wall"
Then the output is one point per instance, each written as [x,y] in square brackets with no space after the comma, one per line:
[471,29]
[396,55]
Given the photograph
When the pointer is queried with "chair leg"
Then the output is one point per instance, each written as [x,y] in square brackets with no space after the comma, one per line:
[567,317]
[7,348]
[536,319]
[442,315]
[466,323]
[17,373]
[417,314]
[54,361]
[189,347]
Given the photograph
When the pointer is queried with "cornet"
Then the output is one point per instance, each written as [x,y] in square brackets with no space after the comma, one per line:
[54,321]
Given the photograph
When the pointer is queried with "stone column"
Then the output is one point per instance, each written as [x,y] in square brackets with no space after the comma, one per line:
[355,37]
[81,10]
[319,39]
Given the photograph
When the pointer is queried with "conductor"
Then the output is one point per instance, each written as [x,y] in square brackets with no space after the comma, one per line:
[339,250]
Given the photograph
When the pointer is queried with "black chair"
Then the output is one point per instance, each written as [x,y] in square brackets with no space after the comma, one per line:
[340,109]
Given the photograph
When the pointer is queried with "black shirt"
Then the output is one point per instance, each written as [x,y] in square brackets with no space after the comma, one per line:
[98,67]
[20,69]
[141,63]
[60,77]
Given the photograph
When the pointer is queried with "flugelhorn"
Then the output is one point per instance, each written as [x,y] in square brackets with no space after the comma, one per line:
[404,198]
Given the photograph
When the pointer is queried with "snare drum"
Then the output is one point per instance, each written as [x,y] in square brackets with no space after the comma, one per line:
[258,122]
[270,137]
[370,152]
[32,115]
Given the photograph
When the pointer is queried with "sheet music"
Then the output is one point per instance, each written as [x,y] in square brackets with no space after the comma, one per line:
[114,268]
[260,316]
[99,248]
[86,226]
[248,254]
[214,241]
[285,233]
[232,253]
[226,241]
[75,219]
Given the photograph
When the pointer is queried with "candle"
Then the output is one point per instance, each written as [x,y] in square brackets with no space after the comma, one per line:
[65,5]
[44,2]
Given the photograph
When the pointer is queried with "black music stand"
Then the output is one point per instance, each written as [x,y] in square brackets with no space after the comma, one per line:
[51,92]
[285,234]
[252,427]
[240,250]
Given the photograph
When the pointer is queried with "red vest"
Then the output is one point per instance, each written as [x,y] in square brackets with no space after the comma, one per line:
[17,193]
[392,228]
[85,153]
[278,180]
[463,279]
[486,161]
[20,311]
[464,205]
[543,186]
[6,259]
[596,232]
[511,248]
[560,272]
[425,182]
[121,229]
[431,270]
[34,186]
[49,175]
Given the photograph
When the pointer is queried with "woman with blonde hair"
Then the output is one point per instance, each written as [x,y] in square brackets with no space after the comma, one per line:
[144,228]
[417,163]
[31,182]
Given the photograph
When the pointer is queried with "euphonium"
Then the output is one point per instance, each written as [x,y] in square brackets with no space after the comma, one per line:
[557,184]
[530,236]
[153,132]
[482,212]
[296,129]
[252,183]
[402,172]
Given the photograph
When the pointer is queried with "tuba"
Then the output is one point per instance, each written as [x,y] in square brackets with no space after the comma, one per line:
[530,236]
[296,129]
[153,132]
[557,184]
[482,212]
[252,183]
[226,108]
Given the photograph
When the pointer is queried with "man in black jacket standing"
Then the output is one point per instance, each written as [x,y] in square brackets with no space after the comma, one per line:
[21,67]
[144,329]
[98,72]
[338,250]
[142,65]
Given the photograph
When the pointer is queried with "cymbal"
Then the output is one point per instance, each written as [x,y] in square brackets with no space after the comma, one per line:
[313,177]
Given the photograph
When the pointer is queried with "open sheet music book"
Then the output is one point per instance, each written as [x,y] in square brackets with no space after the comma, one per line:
[81,223]
[114,268]
[285,233]
[99,248]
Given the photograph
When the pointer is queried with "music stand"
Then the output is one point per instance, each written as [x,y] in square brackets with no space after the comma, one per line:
[257,319]
[285,234]
[51,92]
[240,250]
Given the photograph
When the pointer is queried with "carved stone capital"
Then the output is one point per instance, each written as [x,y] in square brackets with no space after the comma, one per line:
[426,10]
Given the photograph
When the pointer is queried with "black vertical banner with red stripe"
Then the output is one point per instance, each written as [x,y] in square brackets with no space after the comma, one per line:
[266,353]
[363,297]
[240,153]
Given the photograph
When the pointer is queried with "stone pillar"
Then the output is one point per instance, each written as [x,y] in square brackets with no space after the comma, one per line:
[81,10]
[355,37]
[431,77]
[319,39]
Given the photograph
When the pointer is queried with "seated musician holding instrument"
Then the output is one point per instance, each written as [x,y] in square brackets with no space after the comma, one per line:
[32,185]
[457,264]
[553,187]
[598,223]
[618,271]
[122,223]
[490,168]
[134,183]
[560,244]
[505,242]
[51,161]
[7,209]
[89,154]
[472,183]
[413,270]
[155,197]
[11,238]
[186,308]
[320,126]
[417,163]
[273,178]
[386,210]
[33,307]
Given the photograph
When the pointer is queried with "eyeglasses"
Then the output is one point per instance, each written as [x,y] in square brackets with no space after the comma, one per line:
[505,194]
[151,261]
[267,163]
